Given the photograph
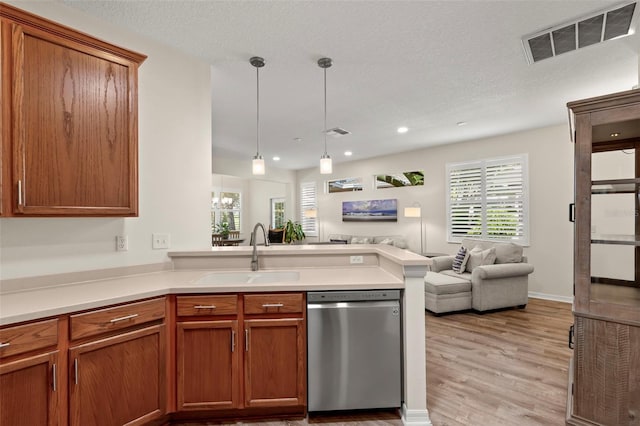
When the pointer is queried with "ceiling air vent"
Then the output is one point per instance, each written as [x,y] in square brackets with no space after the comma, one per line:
[595,28]
[336,132]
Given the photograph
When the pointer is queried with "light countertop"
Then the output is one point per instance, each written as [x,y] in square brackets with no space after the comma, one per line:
[25,305]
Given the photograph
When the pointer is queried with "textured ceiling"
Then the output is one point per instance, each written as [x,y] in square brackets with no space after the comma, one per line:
[426,65]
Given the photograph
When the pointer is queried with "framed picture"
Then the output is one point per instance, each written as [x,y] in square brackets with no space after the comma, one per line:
[370,211]
[344,185]
[413,178]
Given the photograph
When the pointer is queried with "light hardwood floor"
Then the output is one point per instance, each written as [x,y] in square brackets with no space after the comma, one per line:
[500,368]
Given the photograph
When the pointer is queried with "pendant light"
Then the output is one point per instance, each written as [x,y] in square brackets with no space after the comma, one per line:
[325,161]
[258,161]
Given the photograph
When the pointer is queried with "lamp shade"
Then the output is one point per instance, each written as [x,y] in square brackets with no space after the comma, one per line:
[258,165]
[311,213]
[325,165]
[412,212]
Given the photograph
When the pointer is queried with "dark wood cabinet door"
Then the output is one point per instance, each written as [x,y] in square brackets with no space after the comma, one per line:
[29,393]
[275,362]
[118,380]
[208,375]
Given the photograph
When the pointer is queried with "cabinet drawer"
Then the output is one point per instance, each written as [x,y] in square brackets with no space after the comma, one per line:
[116,318]
[273,303]
[29,337]
[207,305]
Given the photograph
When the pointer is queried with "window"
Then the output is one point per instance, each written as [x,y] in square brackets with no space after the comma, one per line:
[225,207]
[277,213]
[489,199]
[308,204]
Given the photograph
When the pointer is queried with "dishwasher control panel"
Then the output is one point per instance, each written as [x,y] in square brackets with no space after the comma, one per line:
[352,296]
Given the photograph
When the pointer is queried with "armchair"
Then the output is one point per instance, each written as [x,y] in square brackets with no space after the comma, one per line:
[502,284]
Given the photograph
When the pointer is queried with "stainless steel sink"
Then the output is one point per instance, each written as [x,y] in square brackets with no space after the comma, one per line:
[246,277]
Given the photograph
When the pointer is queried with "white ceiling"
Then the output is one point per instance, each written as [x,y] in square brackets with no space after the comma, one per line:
[426,65]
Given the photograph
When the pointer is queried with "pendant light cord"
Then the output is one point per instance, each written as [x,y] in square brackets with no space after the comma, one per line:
[325,111]
[258,111]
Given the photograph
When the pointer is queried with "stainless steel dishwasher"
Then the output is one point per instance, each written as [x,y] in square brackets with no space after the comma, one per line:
[354,350]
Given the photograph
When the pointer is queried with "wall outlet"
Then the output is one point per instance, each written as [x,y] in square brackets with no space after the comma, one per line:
[356,259]
[122,243]
[160,241]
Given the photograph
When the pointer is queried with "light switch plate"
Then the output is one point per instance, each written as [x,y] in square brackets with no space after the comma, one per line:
[356,259]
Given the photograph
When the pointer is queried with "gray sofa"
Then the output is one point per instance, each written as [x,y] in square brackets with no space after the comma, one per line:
[394,240]
[502,282]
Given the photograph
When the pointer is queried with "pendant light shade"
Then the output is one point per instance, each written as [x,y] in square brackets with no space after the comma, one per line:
[258,165]
[258,161]
[326,166]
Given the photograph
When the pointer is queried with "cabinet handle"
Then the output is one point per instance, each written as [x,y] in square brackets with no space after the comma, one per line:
[246,340]
[571,337]
[75,370]
[54,378]
[4,345]
[272,305]
[233,340]
[572,212]
[204,307]
[124,318]
[19,192]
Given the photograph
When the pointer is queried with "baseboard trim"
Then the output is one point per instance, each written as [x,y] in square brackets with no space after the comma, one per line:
[536,295]
[415,417]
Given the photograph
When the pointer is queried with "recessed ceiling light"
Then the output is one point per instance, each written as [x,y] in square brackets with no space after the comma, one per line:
[614,134]
[276,158]
[348,153]
[403,129]
[297,139]
[461,123]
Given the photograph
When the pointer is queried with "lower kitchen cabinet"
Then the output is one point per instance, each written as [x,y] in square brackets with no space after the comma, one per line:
[118,380]
[29,391]
[241,352]
[275,373]
[208,365]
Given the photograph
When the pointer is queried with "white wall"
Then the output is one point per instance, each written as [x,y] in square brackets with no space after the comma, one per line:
[551,190]
[174,168]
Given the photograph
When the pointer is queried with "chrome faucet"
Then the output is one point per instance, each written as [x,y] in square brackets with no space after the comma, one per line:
[254,241]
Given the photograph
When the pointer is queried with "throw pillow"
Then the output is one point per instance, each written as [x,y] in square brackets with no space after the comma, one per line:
[479,257]
[460,261]
[360,240]
[387,241]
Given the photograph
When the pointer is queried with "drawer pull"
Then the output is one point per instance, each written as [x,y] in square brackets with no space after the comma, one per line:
[4,345]
[126,317]
[272,305]
[204,307]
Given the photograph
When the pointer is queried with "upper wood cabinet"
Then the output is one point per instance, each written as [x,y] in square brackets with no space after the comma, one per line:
[69,121]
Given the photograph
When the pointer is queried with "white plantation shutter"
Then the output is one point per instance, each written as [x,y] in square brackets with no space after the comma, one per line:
[488,199]
[308,202]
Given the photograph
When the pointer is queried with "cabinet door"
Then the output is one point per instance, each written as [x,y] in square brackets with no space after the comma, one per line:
[208,365]
[74,127]
[118,380]
[275,362]
[607,372]
[29,391]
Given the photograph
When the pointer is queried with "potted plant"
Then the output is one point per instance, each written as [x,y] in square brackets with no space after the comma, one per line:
[222,228]
[293,232]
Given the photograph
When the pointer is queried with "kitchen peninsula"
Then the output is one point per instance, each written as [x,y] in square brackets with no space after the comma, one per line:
[197,289]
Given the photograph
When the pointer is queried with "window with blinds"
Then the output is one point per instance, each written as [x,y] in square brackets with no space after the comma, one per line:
[488,199]
[308,203]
